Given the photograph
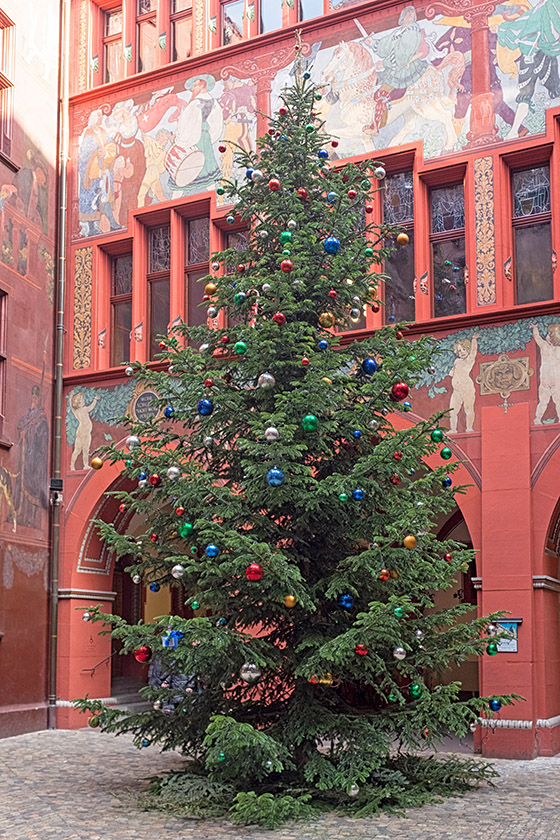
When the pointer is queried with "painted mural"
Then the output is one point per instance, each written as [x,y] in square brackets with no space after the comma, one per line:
[162,146]
[91,416]
[25,491]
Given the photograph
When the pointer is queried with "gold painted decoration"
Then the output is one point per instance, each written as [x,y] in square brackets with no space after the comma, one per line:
[484,231]
[503,376]
[81,333]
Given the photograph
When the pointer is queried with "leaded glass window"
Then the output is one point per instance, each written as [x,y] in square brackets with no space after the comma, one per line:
[239,241]
[121,275]
[448,209]
[198,240]
[531,191]
[160,248]
[449,270]
[532,234]
[398,199]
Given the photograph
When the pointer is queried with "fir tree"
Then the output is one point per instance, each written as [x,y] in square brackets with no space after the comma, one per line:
[296,518]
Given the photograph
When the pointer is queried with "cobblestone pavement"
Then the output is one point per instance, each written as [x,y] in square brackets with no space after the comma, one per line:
[74,785]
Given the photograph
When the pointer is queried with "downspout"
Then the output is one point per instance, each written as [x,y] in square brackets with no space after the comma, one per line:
[56,479]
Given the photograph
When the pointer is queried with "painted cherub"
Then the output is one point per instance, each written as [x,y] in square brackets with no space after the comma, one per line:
[81,412]
[549,378]
[462,387]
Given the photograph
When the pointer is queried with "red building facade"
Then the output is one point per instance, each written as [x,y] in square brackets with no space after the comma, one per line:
[461,103]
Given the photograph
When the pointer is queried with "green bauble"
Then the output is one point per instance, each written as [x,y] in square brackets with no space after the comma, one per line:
[343,497]
[398,612]
[240,348]
[492,649]
[365,184]
[128,464]
[285,236]
[446,453]
[318,96]
[240,297]
[286,252]
[368,252]
[415,690]
[186,529]
[222,756]
[195,605]
[437,436]
[309,128]
[392,698]
[194,549]
[220,191]
[309,423]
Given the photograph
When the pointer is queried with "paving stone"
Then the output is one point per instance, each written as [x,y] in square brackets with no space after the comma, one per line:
[62,785]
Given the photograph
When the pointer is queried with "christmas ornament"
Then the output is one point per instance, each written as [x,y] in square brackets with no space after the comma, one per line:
[136,579]
[369,366]
[446,453]
[169,411]
[96,462]
[373,424]
[351,194]
[290,601]
[447,482]
[410,542]
[492,649]
[143,653]
[240,348]
[155,480]
[153,537]
[173,473]
[343,497]
[305,361]
[275,477]
[448,557]
[250,673]
[334,143]
[399,653]
[205,407]
[323,154]
[331,245]
[415,690]
[384,574]
[249,173]
[495,705]
[221,756]
[279,318]
[257,175]
[240,297]
[211,288]
[195,605]
[361,650]
[212,550]
[310,128]
[379,173]
[395,478]
[352,790]
[231,219]
[369,208]
[221,622]
[399,391]
[254,572]
[272,433]
[86,616]
[345,601]
[331,198]
[93,722]
[180,510]
[129,370]
[285,236]
[355,315]
[398,612]
[154,587]
[436,435]
[302,193]
[220,190]
[310,423]
[222,148]
[292,224]
[375,307]
[282,111]
[266,380]
[358,494]
[142,476]
[397,456]
[400,335]
[402,239]
[274,185]
[407,405]
[333,294]
[146,742]
[122,507]
[208,383]
[323,344]
[286,266]
[368,252]
[186,529]
[419,635]
[326,319]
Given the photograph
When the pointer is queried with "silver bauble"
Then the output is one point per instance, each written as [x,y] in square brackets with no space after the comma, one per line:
[352,790]
[356,300]
[136,579]
[272,433]
[86,616]
[211,312]
[379,173]
[132,442]
[173,473]
[208,441]
[292,224]
[263,233]
[298,283]
[266,380]
[257,175]
[129,370]
[268,766]
[419,635]
[143,482]
[178,571]
[384,412]
[203,348]
[250,672]
[431,370]
[215,266]
[355,315]
[266,287]
[399,653]
[325,168]
[492,630]
[373,424]
[473,726]
[157,705]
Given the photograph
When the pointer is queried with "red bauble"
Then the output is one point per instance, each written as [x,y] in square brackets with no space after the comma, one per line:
[375,307]
[302,193]
[180,510]
[122,507]
[143,653]
[155,480]
[314,680]
[162,345]
[225,339]
[305,361]
[334,143]
[254,571]
[279,318]
[369,208]
[240,268]
[361,650]
[205,298]
[352,194]
[395,479]
[384,574]
[449,557]
[271,131]
[399,391]
[154,537]
[208,382]
[333,294]
[286,266]
[274,185]
[222,148]
[282,111]
[228,378]
[397,456]
[399,335]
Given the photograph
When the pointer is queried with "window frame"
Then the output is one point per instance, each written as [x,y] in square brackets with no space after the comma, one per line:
[7,84]
[153,277]
[517,222]
[407,227]
[246,27]
[115,300]
[435,238]
[140,18]
[184,14]
[193,268]
[107,40]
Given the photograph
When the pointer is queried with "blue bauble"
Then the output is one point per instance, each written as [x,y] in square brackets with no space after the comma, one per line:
[142,476]
[323,345]
[249,173]
[221,622]
[146,742]
[447,482]
[407,406]
[495,705]
[369,366]
[358,494]
[212,550]
[345,602]
[230,220]
[332,197]
[323,154]
[356,434]
[205,407]
[307,75]
[331,245]
[154,587]
[275,477]
[169,411]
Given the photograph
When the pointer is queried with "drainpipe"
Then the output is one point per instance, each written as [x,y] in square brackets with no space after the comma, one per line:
[56,479]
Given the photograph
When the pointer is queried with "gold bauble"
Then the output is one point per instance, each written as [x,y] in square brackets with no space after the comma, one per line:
[394,575]
[326,680]
[290,601]
[402,239]
[210,289]
[96,463]
[326,319]
[327,380]
[410,542]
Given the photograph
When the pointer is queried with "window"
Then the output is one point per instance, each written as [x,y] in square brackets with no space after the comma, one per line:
[159,286]
[532,241]
[232,21]
[270,15]
[113,60]
[121,308]
[7,54]
[197,254]
[181,29]
[310,9]
[398,209]
[448,250]
[146,35]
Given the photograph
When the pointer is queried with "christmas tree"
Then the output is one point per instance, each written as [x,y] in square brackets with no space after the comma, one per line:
[296,517]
